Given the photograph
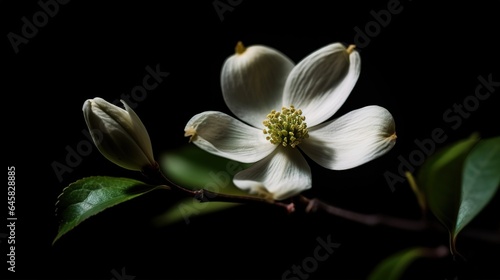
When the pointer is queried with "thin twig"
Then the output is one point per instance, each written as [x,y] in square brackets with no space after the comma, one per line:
[313,205]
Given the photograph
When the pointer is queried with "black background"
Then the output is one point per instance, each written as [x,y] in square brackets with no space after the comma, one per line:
[426,59]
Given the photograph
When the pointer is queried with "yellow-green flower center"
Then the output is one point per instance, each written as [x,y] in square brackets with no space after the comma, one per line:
[286,127]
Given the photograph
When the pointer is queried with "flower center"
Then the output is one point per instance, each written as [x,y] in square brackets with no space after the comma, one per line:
[286,127]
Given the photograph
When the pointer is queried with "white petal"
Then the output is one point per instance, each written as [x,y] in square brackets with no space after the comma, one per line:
[351,140]
[225,136]
[322,81]
[281,175]
[253,81]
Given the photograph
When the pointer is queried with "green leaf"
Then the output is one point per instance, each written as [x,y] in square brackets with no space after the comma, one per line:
[440,178]
[460,180]
[481,179]
[393,267]
[196,169]
[418,193]
[187,209]
[89,196]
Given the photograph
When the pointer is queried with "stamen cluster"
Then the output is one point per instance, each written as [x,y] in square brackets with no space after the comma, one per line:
[286,127]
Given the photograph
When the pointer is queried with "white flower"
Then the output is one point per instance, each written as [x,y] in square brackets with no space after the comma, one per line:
[291,104]
[118,134]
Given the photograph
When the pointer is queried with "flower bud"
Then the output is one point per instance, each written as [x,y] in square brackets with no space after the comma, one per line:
[118,134]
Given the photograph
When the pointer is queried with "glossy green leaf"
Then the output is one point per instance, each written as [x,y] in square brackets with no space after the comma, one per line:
[393,267]
[440,178]
[196,169]
[89,196]
[481,179]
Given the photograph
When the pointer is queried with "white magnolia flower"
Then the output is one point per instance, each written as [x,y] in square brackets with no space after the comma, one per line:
[284,107]
[118,134]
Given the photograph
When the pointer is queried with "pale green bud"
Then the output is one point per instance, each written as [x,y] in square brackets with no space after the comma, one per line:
[119,134]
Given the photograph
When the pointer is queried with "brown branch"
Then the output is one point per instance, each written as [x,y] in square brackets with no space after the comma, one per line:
[314,204]
[204,195]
